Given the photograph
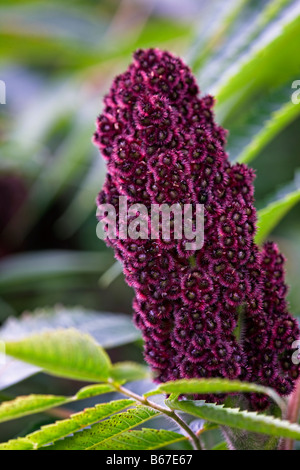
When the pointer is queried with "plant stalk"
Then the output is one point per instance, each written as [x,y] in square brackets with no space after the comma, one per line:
[170,413]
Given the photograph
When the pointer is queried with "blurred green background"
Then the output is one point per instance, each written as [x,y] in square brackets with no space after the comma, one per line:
[57,60]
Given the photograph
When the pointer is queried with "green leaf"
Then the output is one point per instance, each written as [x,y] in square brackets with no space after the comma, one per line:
[251,22]
[272,9]
[220,446]
[128,371]
[65,353]
[91,438]
[94,390]
[270,216]
[145,439]
[235,418]
[17,444]
[207,386]
[108,329]
[31,404]
[278,121]
[272,60]
[260,124]
[26,405]
[151,393]
[52,432]
[213,29]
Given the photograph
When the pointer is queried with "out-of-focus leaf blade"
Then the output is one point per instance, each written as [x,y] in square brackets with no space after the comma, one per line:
[278,120]
[32,404]
[270,216]
[246,28]
[271,61]
[73,33]
[23,406]
[32,126]
[110,275]
[214,25]
[51,21]
[261,123]
[30,268]
[72,158]
[128,371]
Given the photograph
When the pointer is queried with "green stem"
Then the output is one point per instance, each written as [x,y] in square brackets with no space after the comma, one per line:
[170,413]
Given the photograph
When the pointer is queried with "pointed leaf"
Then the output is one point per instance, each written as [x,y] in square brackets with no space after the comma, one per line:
[31,404]
[235,418]
[251,22]
[26,269]
[52,432]
[93,391]
[71,159]
[207,386]
[260,124]
[66,353]
[215,25]
[100,432]
[128,371]
[277,47]
[270,216]
[110,275]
